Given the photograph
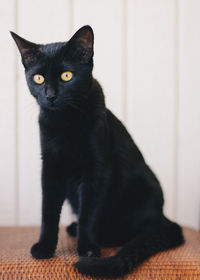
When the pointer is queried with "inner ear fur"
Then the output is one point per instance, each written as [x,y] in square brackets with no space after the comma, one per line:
[27,49]
[81,44]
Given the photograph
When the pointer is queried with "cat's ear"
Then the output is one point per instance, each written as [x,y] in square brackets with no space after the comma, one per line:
[81,44]
[28,50]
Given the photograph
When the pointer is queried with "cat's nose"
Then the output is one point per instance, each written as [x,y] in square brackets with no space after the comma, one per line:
[51,98]
[50,94]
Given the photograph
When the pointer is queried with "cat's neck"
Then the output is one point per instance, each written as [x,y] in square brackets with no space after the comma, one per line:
[58,119]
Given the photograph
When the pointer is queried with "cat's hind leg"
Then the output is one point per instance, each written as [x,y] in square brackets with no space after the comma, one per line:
[72,229]
[153,238]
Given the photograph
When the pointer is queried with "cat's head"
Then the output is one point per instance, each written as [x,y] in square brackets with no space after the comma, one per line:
[59,74]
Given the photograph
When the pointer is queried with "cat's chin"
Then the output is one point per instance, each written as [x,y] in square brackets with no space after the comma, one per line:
[50,107]
[53,109]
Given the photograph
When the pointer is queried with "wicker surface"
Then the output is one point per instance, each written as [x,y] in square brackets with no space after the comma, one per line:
[16,263]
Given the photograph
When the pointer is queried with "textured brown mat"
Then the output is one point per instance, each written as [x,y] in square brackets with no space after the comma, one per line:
[16,263]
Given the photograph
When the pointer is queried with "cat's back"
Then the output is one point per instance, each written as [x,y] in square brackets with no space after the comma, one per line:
[122,145]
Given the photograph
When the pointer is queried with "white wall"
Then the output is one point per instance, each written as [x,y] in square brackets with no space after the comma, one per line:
[147,58]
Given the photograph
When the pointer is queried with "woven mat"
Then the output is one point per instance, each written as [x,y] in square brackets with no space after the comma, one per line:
[16,263]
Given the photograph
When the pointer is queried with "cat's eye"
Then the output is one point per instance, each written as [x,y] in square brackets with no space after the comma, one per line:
[38,79]
[66,76]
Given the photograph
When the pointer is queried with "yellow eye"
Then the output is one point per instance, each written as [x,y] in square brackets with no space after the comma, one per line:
[38,79]
[66,76]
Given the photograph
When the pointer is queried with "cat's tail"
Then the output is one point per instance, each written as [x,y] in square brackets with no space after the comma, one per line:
[159,237]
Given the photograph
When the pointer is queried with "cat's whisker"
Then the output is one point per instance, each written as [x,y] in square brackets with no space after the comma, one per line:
[31,109]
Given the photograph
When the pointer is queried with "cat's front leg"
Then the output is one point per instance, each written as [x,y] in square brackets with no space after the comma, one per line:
[94,189]
[52,200]
[92,195]
[51,208]
[87,245]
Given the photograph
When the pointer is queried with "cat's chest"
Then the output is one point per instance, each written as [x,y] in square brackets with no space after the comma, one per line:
[66,144]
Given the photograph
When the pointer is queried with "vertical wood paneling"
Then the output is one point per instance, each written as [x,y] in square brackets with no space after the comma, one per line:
[189,114]
[7,116]
[149,68]
[151,107]
[40,22]
[106,19]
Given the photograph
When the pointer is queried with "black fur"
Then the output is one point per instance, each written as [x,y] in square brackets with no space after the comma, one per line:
[90,159]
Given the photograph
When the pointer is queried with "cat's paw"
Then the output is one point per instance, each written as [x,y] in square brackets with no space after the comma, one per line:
[88,250]
[72,229]
[41,251]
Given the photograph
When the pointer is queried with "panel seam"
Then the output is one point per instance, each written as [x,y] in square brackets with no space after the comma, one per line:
[176,110]
[16,119]
[71,20]
[124,60]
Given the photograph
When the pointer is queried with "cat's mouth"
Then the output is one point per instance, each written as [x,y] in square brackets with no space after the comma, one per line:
[52,106]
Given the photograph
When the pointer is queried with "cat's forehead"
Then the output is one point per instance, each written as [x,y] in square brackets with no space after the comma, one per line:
[53,49]
[53,58]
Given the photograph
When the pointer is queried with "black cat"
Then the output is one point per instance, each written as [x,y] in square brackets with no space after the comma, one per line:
[90,159]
